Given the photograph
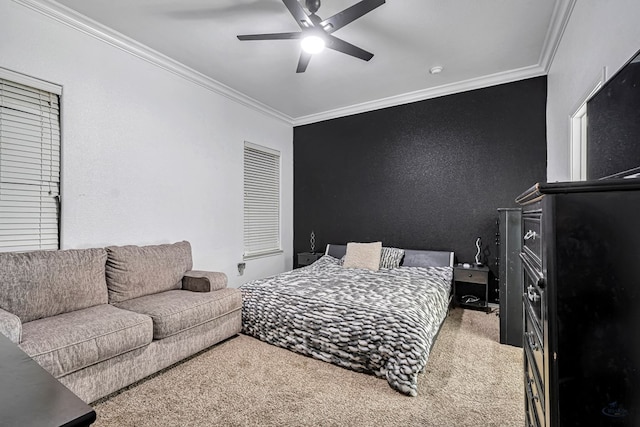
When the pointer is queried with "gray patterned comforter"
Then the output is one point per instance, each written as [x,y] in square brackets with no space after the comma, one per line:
[381,322]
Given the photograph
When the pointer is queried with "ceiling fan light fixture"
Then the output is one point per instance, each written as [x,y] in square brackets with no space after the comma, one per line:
[312,44]
[317,33]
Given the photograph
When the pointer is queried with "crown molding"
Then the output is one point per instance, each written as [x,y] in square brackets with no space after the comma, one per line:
[559,20]
[92,28]
[421,95]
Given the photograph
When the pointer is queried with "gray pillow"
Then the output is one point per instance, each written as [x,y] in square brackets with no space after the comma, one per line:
[391,257]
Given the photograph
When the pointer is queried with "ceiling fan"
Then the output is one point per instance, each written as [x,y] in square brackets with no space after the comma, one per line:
[317,33]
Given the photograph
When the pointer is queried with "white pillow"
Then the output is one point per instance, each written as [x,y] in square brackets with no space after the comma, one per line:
[363,255]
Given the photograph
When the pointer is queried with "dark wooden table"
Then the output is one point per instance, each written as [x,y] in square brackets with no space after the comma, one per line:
[30,396]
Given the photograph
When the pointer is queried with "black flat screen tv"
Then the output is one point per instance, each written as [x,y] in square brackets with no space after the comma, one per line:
[613,125]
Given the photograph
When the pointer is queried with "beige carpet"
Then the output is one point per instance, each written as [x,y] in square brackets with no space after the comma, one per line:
[470,380]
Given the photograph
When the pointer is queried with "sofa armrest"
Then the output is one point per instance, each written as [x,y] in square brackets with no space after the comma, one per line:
[204,281]
[10,326]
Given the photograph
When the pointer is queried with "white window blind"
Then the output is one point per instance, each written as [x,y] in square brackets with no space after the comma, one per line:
[29,168]
[261,201]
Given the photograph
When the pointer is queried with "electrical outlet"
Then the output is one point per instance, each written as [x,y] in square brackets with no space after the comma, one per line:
[241,267]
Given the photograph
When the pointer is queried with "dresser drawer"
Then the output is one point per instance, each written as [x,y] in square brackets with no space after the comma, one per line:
[534,297]
[532,416]
[533,345]
[470,276]
[534,396]
[534,364]
[532,236]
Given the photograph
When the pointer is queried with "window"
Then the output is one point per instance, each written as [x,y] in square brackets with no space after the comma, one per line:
[29,166]
[261,201]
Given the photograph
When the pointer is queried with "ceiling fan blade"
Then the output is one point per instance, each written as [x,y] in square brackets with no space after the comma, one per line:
[272,36]
[303,62]
[344,47]
[350,14]
[296,9]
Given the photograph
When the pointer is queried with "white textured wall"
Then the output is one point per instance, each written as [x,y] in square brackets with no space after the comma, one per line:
[148,157]
[602,33]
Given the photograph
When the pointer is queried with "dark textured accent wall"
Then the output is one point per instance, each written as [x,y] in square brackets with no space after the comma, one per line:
[613,125]
[425,175]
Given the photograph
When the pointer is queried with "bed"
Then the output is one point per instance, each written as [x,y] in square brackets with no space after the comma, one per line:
[379,322]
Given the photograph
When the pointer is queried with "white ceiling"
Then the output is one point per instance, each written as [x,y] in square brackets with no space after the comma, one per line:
[478,42]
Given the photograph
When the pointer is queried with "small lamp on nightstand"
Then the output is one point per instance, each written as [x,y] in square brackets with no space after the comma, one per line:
[478,243]
[312,241]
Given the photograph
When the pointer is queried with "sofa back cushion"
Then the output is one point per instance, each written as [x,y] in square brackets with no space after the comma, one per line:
[41,284]
[136,271]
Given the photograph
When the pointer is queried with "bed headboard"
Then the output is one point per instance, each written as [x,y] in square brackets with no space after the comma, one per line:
[412,257]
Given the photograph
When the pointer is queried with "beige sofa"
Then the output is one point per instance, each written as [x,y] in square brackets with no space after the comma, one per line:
[101,319]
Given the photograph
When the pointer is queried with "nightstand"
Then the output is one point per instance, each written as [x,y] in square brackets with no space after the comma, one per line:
[307,258]
[471,287]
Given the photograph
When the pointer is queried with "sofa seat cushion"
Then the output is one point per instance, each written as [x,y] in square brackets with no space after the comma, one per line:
[71,341]
[175,311]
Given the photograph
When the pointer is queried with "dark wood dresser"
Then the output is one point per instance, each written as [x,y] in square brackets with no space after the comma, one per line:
[581,277]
